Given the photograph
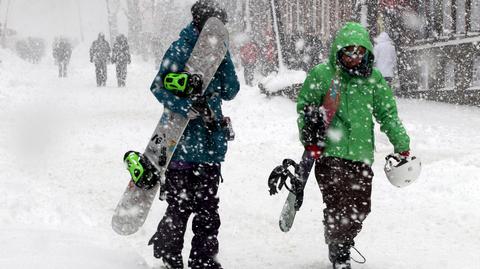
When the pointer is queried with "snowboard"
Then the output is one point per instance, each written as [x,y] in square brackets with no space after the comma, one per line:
[135,203]
[295,199]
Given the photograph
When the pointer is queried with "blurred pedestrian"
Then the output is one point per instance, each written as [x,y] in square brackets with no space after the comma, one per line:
[100,56]
[62,51]
[249,55]
[121,57]
[385,57]
[269,54]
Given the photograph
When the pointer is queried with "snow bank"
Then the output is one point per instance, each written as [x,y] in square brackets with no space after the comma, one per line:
[285,78]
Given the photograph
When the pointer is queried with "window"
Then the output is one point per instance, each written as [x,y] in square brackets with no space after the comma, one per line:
[460,27]
[424,73]
[447,17]
[475,19]
[450,74]
[476,72]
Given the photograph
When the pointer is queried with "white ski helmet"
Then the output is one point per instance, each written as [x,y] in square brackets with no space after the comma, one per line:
[402,171]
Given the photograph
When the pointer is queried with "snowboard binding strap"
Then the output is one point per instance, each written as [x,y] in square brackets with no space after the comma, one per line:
[279,176]
[134,167]
[141,171]
[183,84]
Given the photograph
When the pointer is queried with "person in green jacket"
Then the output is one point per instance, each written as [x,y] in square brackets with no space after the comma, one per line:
[348,91]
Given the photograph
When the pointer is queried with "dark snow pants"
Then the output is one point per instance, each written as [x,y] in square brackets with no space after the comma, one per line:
[346,188]
[190,191]
[121,69]
[101,73]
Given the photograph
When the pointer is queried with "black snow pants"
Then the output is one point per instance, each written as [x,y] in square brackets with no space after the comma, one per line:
[190,191]
[346,188]
[101,73]
[121,69]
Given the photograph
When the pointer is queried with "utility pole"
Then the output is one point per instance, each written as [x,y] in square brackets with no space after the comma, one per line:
[112,19]
[276,30]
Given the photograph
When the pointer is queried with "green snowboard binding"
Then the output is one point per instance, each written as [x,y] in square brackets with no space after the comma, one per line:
[140,169]
[183,84]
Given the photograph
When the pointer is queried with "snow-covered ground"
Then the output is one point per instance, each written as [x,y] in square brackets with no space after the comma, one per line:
[62,142]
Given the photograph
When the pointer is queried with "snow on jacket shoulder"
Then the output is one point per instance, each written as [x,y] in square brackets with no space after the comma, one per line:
[197,144]
[385,55]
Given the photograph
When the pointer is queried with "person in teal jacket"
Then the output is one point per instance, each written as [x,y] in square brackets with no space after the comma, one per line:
[350,93]
[193,176]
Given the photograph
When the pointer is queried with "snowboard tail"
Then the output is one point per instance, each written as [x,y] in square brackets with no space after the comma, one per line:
[298,179]
[132,210]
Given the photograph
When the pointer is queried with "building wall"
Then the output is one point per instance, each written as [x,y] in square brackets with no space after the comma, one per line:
[448,25]
[447,43]
[301,20]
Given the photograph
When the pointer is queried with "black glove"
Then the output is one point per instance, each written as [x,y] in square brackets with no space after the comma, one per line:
[196,84]
[313,132]
[200,108]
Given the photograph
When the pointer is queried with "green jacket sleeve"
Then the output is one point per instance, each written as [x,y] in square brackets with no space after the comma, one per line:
[385,112]
[311,93]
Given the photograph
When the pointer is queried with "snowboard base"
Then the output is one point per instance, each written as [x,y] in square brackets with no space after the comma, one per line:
[133,208]
[288,213]
[293,203]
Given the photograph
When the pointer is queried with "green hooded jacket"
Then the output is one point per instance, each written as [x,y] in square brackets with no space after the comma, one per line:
[351,133]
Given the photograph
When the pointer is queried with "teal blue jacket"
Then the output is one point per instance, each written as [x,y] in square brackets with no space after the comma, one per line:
[197,144]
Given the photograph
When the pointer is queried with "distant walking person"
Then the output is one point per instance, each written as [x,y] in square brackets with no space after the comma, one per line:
[385,57]
[100,56]
[62,51]
[249,55]
[121,57]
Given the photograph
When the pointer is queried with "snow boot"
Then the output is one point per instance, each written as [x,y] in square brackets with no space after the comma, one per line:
[339,255]
[173,261]
[206,263]
[342,265]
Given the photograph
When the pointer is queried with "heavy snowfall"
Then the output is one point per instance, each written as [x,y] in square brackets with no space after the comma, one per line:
[61,146]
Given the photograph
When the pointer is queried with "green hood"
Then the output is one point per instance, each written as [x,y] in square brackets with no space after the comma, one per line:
[352,34]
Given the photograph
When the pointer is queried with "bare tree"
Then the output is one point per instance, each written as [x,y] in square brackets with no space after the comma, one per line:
[113,6]
[4,32]
[134,17]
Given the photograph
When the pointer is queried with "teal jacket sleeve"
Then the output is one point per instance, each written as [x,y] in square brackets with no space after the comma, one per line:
[231,86]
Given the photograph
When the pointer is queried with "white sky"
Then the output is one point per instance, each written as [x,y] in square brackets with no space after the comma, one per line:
[49,18]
